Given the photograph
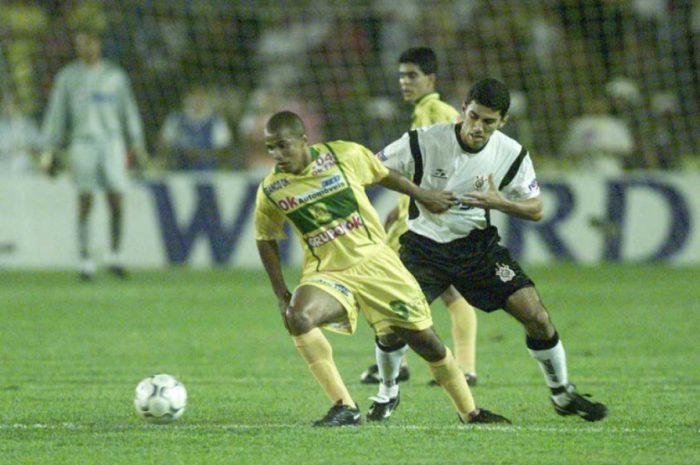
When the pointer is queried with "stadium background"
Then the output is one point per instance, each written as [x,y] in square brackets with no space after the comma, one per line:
[338,59]
[335,63]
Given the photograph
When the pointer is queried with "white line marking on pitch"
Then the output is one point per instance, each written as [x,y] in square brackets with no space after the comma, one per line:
[224,427]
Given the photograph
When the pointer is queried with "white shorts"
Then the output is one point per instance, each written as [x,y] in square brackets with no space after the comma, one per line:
[99,165]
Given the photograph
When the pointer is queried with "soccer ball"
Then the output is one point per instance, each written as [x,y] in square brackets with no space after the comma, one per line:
[160,399]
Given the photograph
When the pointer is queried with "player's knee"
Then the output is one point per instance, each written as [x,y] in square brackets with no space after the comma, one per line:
[539,325]
[389,340]
[426,344]
[298,320]
[450,295]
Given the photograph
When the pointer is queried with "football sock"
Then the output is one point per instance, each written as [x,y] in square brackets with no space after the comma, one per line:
[447,373]
[463,318]
[389,362]
[318,353]
[552,360]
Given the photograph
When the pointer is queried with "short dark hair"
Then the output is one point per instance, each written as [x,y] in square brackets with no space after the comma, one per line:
[490,93]
[423,57]
[286,120]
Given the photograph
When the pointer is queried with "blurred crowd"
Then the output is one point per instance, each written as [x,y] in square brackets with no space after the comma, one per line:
[610,85]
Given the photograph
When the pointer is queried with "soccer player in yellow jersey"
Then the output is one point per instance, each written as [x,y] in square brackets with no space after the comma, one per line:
[348,268]
[417,74]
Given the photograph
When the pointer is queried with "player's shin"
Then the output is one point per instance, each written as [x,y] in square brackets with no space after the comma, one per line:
[552,360]
[463,318]
[318,353]
[389,362]
[448,375]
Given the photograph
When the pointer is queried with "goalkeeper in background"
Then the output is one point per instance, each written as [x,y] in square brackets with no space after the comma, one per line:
[417,74]
[92,110]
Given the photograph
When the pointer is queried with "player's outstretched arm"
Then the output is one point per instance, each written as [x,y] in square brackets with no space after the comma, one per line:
[436,201]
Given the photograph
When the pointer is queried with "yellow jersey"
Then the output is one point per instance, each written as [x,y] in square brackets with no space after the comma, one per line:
[428,110]
[326,205]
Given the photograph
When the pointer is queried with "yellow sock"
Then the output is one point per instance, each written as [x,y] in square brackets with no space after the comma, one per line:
[318,353]
[451,379]
[463,318]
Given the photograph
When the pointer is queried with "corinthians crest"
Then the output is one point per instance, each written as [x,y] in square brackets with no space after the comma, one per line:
[504,272]
[480,182]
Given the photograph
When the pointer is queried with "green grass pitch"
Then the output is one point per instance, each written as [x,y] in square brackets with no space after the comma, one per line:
[72,353]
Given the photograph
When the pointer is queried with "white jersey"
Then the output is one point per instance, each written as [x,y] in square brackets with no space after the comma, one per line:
[446,163]
[96,104]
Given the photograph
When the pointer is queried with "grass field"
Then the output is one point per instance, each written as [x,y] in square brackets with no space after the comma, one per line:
[71,355]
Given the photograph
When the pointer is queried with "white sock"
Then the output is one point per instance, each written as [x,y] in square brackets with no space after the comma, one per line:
[553,364]
[389,363]
[386,393]
[87,266]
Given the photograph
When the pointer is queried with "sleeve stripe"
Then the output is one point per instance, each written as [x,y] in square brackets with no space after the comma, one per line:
[418,172]
[513,170]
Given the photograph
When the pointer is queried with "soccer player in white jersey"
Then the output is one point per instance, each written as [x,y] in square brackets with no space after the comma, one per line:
[92,98]
[486,170]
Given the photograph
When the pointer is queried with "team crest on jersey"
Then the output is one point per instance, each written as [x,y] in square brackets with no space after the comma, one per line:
[320,213]
[504,272]
[480,182]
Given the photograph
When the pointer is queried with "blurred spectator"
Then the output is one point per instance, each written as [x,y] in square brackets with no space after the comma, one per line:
[262,104]
[21,28]
[668,151]
[195,137]
[626,103]
[20,139]
[598,141]
[518,126]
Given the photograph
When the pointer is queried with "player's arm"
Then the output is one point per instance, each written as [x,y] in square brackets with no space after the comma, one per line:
[54,125]
[492,199]
[133,124]
[436,201]
[269,222]
[270,257]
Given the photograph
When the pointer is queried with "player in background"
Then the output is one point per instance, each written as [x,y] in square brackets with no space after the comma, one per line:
[486,170]
[92,109]
[348,268]
[417,76]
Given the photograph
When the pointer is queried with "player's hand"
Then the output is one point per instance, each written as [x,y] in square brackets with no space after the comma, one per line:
[391,218]
[48,163]
[491,199]
[436,201]
[141,160]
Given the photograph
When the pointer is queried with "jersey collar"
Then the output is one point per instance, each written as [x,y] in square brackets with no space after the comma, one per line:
[462,145]
[427,97]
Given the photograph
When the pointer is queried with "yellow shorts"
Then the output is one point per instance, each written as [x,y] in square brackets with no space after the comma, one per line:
[399,226]
[381,288]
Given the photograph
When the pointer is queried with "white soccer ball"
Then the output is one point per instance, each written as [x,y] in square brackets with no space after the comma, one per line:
[160,399]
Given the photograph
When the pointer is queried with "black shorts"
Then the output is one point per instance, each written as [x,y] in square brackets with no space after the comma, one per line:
[477,266]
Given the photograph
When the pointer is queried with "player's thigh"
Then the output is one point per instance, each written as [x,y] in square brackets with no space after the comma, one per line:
[490,279]
[389,295]
[333,298]
[84,164]
[422,263]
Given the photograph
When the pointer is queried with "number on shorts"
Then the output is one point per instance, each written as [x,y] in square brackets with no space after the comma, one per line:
[399,308]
